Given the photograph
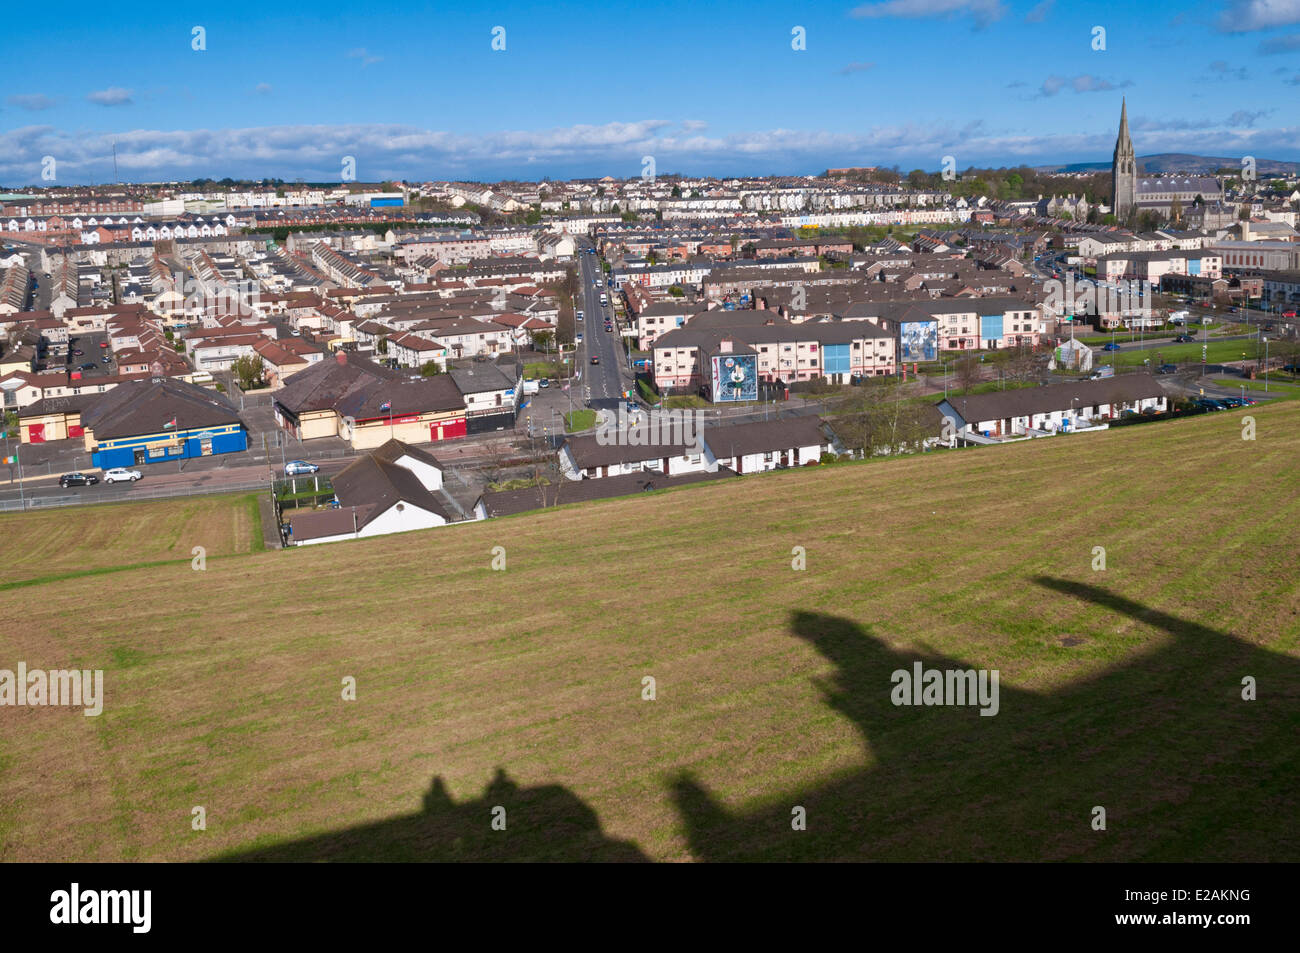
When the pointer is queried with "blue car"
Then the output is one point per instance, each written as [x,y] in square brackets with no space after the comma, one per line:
[299,468]
[1111,347]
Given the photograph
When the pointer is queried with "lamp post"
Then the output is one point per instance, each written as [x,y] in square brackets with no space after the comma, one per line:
[1266,365]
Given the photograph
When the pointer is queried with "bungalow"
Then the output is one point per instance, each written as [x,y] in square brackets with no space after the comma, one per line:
[603,456]
[1035,411]
[767,444]
[393,489]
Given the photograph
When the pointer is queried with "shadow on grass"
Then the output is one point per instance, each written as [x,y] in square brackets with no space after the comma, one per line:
[1184,767]
[547,823]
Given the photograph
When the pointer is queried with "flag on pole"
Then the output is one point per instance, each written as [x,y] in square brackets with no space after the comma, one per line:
[11,459]
[170,425]
[386,405]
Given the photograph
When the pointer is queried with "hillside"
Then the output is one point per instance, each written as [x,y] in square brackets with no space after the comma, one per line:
[522,688]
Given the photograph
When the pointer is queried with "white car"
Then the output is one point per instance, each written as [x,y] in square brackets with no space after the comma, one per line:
[121,475]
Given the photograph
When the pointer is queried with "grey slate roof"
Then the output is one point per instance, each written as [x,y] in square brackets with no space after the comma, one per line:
[1027,401]
[135,408]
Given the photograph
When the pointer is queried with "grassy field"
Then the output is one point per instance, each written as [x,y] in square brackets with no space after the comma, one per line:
[523,688]
[56,543]
[1217,352]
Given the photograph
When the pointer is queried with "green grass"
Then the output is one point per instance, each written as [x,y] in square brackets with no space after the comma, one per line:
[41,546]
[1217,352]
[540,369]
[1120,686]
[1277,387]
[579,420]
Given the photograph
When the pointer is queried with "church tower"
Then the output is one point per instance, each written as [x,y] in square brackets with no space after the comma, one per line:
[1123,196]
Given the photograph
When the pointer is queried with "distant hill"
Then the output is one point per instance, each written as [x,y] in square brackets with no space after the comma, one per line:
[1180,162]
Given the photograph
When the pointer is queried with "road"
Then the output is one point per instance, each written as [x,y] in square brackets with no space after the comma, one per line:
[601,383]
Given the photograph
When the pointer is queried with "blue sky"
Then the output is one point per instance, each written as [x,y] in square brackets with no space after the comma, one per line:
[288,89]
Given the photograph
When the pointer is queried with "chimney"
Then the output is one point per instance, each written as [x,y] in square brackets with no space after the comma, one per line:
[341,356]
[724,346]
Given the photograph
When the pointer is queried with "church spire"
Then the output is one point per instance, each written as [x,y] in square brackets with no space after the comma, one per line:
[1123,168]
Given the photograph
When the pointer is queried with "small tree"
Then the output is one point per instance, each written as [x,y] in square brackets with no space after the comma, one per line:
[968,373]
[430,369]
[249,371]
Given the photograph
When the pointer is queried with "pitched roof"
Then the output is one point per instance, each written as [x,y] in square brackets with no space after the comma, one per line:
[1027,401]
[393,450]
[142,407]
[375,482]
[764,436]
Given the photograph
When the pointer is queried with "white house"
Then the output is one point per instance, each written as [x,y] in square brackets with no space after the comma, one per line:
[392,489]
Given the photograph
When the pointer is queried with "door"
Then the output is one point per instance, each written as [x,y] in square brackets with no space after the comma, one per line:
[141,457]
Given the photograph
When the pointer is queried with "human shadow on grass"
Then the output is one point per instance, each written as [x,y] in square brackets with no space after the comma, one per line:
[1185,768]
[545,823]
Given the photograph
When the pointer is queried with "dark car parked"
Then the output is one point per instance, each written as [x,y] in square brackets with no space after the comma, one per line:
[1183,339]
[78,479]
[1167,369]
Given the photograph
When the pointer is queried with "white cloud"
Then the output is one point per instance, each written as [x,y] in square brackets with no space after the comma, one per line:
[984,12]
[856,68]
[33,102]
[113,96]
[1280,44]
[1039,13]
[364,55]
[262,89]
[1083,83]
[1245,16]
[314,152]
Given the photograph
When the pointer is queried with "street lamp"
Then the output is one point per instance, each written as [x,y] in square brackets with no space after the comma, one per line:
[1266,365]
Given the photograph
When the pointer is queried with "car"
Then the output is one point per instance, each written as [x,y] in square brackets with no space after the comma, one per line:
[1268,327]
[1183,339]
[103,344]
[1291,368]
[88,366]
[1167,369]
[78,479]
[577,339]
[106,360]
[544,382]
[1209,403]
[78,351]
[299,468]
[1288,314]
[121,475]
[595,360]
[578,315]
[1111,347]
